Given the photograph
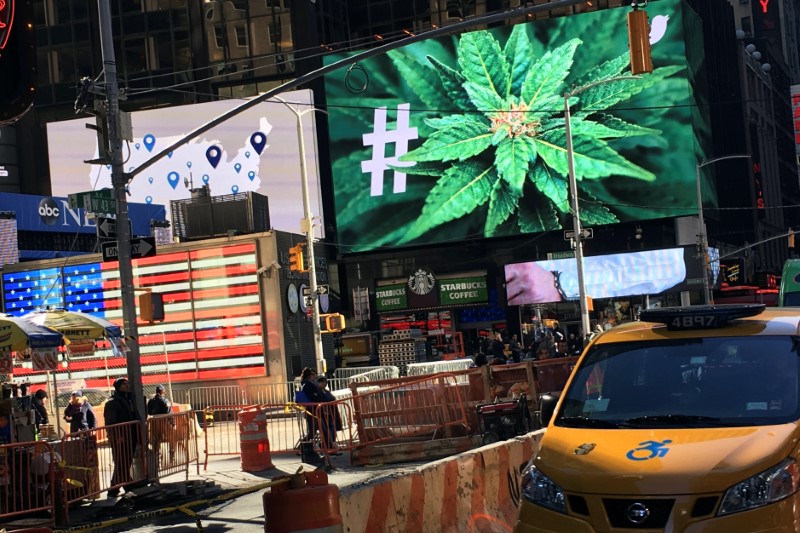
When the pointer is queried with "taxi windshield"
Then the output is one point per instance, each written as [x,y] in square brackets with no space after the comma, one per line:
[695,382]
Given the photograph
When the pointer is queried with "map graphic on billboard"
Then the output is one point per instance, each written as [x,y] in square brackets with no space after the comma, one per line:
[464,137]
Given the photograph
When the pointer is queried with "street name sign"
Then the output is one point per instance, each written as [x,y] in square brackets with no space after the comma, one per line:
[141,247]
[586,233]
[99,201]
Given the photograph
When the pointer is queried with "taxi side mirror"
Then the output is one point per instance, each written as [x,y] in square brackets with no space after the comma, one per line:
[547,405]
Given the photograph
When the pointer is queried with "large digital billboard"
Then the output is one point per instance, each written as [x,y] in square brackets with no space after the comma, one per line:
[605,276]
[212,327]
[464,137]
[257,150]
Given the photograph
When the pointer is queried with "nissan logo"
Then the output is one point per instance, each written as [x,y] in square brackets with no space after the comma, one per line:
[48,211]
[637,513]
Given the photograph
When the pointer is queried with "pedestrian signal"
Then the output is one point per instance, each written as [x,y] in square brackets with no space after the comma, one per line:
[151,307]
[296,259]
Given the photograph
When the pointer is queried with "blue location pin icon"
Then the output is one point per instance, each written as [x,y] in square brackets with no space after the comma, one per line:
[189,164]
[150,179]
[149,141]
[214,154]
[247,155]
[258,140]
[251,175]
[235,189]
[206,178]
[173,178]
[237,167]
[169,154]
[137,145]
[149,199]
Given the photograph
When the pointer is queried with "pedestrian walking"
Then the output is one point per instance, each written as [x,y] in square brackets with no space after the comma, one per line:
[79,413]
[121,408]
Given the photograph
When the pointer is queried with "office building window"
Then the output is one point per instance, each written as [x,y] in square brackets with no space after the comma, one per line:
[241,36]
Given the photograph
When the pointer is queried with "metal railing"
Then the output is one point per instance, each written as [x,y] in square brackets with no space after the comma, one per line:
[201,397]
[27,480]
[385,372]
[435,367]
[427,408]
[90,468]
[172,440]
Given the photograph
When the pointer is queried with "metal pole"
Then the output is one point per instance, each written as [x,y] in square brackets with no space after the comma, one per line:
[576,221]
[707,299]
[707,294]
[307,226]
[119,183]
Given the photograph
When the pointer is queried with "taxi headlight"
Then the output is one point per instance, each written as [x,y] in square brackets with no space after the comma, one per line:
[767,487]
[541,490]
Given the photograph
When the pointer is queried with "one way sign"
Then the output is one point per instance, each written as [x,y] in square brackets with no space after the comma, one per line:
[142,247]
[107,227]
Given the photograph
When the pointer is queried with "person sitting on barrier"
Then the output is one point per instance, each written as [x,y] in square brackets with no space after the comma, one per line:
[330,419]
[79,413]
[121,408]
[308,395]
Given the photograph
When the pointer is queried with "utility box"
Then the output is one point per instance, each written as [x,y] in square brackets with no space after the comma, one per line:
[204,216]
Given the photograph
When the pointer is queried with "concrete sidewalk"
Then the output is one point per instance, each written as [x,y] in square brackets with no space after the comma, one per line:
[141,511]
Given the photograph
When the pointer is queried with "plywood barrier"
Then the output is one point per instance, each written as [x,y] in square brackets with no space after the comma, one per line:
[476,491]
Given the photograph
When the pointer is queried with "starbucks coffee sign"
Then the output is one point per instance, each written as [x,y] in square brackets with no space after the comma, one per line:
[463,290]
[391,298]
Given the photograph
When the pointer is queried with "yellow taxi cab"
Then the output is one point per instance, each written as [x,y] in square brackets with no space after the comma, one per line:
[686,421]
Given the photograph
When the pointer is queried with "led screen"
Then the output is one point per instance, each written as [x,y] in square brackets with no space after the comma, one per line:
[257,150]
[605,276]
[464,137]
[212,327]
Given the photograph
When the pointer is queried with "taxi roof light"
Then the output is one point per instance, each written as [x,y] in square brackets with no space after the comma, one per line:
[700,316]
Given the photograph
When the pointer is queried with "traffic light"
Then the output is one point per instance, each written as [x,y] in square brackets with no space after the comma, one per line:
[17,59]
[334,323]
[639,42]
[151,307]
[791,238]
[297,262]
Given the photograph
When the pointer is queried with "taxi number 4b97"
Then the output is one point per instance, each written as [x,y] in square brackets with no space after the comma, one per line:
[693,321]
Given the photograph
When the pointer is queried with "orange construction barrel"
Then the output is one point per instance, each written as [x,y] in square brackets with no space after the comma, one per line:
[306,503]
[253,440]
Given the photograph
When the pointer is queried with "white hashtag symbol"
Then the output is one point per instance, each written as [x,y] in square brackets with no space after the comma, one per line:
[378,139]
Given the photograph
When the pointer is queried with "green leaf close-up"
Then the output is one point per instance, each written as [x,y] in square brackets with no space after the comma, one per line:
[482,62]
[502,205]
[458,141]
[464,187]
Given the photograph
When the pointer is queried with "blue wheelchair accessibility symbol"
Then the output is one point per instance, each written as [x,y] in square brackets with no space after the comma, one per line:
[649,449]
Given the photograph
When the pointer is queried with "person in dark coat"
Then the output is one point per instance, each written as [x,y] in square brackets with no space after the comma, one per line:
[38,406]
[79,413]
[159,404]
[331,419]
[119,409]
[311,395]
[498,347]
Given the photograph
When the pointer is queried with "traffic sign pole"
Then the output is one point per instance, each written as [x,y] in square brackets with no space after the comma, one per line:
[119,182]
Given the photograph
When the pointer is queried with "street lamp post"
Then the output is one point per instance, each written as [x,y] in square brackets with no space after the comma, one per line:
[307,227]
[573,194]
[707,296]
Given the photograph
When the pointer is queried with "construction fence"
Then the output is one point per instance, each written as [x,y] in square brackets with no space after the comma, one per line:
[424,407]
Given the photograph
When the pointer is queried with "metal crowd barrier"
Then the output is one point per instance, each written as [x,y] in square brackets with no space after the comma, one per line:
[435,367]
[90,468]
[172,440]
[28,481]
[379,372]
[201,397]
[552,374]
[270,393]
[431,407]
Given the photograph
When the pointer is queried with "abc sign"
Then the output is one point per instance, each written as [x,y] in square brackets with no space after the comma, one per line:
[48,211]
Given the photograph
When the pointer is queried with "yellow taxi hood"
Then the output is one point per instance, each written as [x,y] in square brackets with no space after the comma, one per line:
[661,461]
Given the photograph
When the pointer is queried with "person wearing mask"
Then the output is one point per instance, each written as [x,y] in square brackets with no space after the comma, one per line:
[79,413]
[39,409]
[119,409]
